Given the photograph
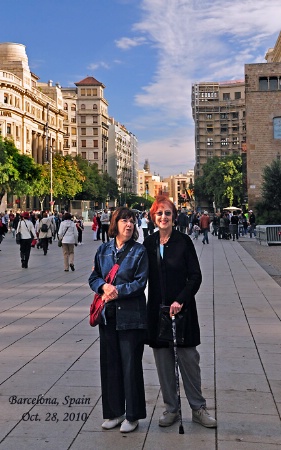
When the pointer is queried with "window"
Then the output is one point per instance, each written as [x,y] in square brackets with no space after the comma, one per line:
[73,107]
[95,91]
[210,142]
[83,119]
[95,131]
[235,141]
[83,131]
[209,116]
[273,83]
[74,143]
[65,107]
[73,131]
[276,127]
[209,153]
[83,154]
[89,92]
[17,132]
[95,106]
[9,128]
[269,83]
[235,115]
[237,95]
[6,97]
[226,96]
[96,155]
[73,119]
[224,142]
[95,119]
[83,92]
[210,129]
[224,129]
[235,128]
[83,106]
[223,115]
[83,143]
[96,143]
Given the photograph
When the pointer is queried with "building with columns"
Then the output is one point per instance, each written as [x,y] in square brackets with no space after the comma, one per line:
[26,106]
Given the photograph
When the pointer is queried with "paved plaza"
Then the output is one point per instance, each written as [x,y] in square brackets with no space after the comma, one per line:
[49,356]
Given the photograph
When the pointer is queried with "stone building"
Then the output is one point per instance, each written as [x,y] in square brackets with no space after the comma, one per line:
[26,106]
[263,120]
[218,110]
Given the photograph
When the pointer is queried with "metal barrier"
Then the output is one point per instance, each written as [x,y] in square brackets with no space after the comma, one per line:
[268,234]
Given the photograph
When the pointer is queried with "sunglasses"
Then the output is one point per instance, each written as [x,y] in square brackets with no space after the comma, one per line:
[160,213]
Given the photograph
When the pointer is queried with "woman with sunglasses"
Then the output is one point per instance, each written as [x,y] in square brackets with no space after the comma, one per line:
[174,273]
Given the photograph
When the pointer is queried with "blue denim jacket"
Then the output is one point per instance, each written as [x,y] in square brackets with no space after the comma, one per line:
[130,282]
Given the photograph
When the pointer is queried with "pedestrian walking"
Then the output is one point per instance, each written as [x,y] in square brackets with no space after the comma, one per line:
[26,229]
[205,226]
[68,234]
[173,259]
[144,224]
[95,227]
[105,221]
[45,230]
[80,229]
[252,223]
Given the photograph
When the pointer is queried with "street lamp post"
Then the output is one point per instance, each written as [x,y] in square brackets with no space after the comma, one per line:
[51,180]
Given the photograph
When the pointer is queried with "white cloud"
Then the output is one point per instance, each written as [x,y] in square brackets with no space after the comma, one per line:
[126,43]
[203,40]
[97,65]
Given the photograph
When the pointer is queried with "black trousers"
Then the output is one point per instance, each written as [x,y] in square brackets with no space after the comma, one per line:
[25,247]
[104,232]
[121,372]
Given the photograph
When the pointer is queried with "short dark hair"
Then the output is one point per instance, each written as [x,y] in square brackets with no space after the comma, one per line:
[67,216]
[122,213]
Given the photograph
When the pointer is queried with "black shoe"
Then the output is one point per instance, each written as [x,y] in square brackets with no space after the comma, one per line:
[72,267]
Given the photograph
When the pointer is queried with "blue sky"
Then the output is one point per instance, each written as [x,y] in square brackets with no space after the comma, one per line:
[147,53]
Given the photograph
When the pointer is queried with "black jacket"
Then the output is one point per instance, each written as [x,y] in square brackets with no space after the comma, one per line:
[181,277]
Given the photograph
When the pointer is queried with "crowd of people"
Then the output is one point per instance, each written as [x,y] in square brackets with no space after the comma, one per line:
[167,261]
[39,229]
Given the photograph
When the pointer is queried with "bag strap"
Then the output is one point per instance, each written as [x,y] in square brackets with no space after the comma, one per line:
[160,273]
[110,277]
[64,233]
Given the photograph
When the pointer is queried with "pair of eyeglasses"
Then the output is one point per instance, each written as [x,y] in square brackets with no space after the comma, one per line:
[167,213]
[124,221]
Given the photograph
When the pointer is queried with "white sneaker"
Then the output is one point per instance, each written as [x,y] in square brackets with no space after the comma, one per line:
[127,426]
[108,424]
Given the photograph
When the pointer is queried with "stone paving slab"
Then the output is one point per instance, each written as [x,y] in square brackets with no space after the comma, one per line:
[47,348]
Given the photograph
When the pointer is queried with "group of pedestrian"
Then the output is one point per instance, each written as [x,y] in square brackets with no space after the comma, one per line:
[168,260]
[40,229]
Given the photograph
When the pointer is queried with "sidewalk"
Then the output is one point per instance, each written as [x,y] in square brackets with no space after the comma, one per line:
[49,356]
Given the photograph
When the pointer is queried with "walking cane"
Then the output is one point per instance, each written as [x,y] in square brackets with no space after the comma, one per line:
[181,430]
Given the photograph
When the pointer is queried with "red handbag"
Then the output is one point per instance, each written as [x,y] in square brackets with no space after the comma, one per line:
[98,304]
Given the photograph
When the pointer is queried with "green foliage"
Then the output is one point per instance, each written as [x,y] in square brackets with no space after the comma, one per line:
[221,181]
[17,172]
[67,178]
[139,202]
[269,208]
[95,186]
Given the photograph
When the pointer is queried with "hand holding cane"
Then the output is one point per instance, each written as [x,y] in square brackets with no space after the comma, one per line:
[181,430]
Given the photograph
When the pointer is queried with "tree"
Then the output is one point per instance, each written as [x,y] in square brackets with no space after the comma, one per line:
[17,172]
[67,179]
[269,208]
[221,181]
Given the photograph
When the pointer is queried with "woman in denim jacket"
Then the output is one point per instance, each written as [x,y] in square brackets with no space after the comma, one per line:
[122,337]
